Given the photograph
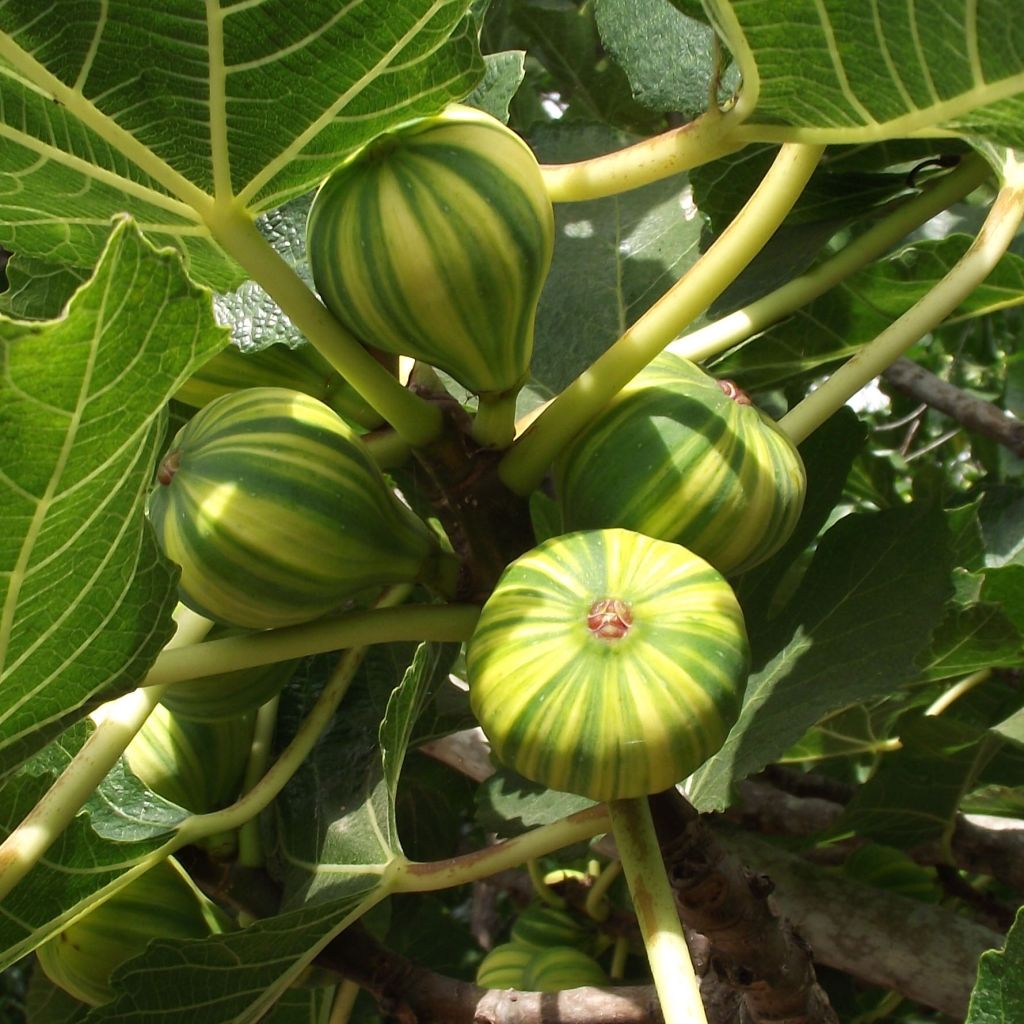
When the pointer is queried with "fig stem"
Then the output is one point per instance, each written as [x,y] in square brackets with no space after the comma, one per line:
[656,913]
[525,463]
[540,886]
[250,837]
[989,245]
[453,622]
[494,425]
[702,140]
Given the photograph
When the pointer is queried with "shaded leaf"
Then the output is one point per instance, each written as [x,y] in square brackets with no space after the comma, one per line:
[998,996]
[86,599]
[969,639]
[837,324]
[914,795]
[613,258]
[507,804]
[666,55]
[868,604]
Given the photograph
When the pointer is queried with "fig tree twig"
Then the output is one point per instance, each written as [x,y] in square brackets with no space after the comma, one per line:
[974,413]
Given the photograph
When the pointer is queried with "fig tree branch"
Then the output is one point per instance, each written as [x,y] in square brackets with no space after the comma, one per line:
[974,413]
[752,948]
[925,952]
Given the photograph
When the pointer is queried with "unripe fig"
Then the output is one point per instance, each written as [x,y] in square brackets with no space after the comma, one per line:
[608,664]
[683,457]
[557,968]
[299,369]
[542,925]
[197,765]
[433,241]
[277,514]
[160,904]
[505,966]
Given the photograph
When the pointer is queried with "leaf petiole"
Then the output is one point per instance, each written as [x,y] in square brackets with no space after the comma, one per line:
[524,465]
[415,420]
[991,242]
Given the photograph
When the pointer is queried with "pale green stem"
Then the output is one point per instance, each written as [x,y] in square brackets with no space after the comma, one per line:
[417,421]
[699,142]
[955,692]
[250,840]
[276,777]
[971,269]
[117,723]
[387,448]
[345,996]
[596,904]
[494,424]
[620,956]
[526,462]
[540,886]
[656,912]
[472,867]
[735,327]
[364,628]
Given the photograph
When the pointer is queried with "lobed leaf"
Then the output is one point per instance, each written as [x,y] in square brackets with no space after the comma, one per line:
[178,109]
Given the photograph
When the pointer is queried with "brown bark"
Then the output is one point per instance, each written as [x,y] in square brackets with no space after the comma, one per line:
[973,413]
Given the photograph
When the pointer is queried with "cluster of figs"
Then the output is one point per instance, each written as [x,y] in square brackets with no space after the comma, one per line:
[609,661]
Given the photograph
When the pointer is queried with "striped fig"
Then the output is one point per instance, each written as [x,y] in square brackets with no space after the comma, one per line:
[433,241]
[607,663]
[683,457]
[277,514]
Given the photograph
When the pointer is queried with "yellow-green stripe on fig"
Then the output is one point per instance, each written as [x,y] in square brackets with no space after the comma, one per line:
[505,966]
[608,663]
[434,241]
[277,514]
[682,457]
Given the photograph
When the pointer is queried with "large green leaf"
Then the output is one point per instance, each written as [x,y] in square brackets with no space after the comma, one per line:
[174,110]
[867,71]
[85,599]
[867,605]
